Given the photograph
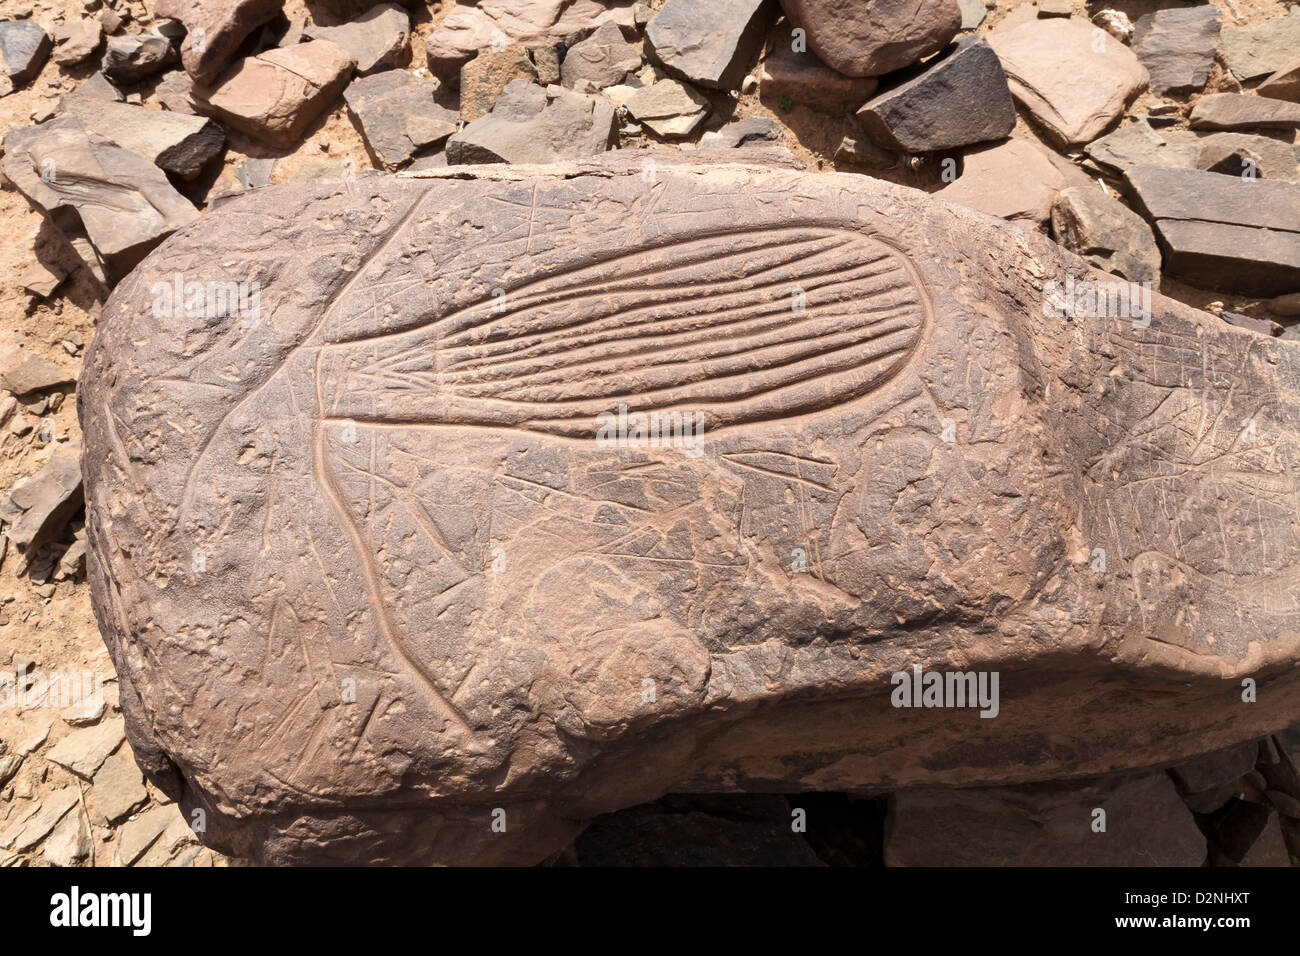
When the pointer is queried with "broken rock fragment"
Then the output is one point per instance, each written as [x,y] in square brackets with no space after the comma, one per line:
[1223,232]
[1044,62]
[713,44]
[1107,233]
[1015,180]
[275,96]
[214,29]
[1284,84]
[24,48]
[379,39]
[130,59]
[601,60]
[175,142]
[1259,49]
[799,76]
[483,78]
[47,499]
[960,98]
[1177,47]
[485,567]
[1243,111]
[398,115]
[122,200]
[534,125]
[670,108]
[875,36]
[77,41]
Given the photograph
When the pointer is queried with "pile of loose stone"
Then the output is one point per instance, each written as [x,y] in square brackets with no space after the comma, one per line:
[1161,151]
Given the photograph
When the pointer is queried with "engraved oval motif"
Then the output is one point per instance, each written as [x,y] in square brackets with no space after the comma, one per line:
[744,326]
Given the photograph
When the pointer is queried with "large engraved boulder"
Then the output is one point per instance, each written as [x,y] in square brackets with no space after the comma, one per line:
[431,518]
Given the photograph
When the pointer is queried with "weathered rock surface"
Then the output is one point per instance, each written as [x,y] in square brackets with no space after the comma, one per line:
[871,37]
[1243,111]
[77,41]
[484,78]
[1016,180]
[214,30]
[712,44]
[961,98]
[24,48]
[398,115]
[427,591]
[123,201]
[176,142]
[1223,232]
[130,59]
[803,79]
[1284,84]
[275,95]
[467,30]
[1044,60]
[534,125]
[1107,233]
[1137,144]
[1262,48]
[670,108]
[751,131]
[23,373]
[1177,46]
[46,500]
[1242,154]
[379,39]
[601,60]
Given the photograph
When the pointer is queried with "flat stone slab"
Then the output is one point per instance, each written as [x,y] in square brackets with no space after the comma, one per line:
[410,557]
[1177,47]
[711,44]
[398,115]
[1044,60]
[1223,232]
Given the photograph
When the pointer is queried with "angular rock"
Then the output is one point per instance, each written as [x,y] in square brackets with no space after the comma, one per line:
[22,373]
[214,30]
[1244,111]
[1107,233]
[42,279]
[483,590]
[28,832]
[1223,232]
[275,96]
[1261,49]
[875,36]
[712,45]
[1260,326]
[77,41]
[24,48]
[483,79]
[1044,60]
[751,131]
[175,142]
[1241,154]
[1047,825]
[1177,46]
[47,499]
[138,834]
[670,108]
[797,75]
[123,201]
[534,125]
[972,13]
[468,30]
[1137,144]
[97,87]
[69,842]
[176,93]
[1116,23]
[8,767]
[398,115]
[379,39]
[601,60]
[1015,180]
[130,59]
[1284,84]
[961,98]
[83,752]
[119,789]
